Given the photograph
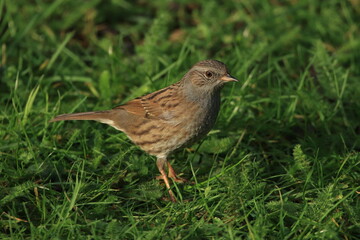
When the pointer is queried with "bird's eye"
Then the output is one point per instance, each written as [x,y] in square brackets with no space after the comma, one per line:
[208,74]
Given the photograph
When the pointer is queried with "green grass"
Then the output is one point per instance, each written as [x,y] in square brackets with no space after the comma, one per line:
[282,162]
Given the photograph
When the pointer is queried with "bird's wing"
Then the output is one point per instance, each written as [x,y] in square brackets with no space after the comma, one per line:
[152,106]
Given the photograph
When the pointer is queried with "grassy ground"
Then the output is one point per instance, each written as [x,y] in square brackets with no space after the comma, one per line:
[282,162]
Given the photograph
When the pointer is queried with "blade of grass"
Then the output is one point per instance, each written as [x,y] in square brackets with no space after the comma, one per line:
[59,50]
[29,104]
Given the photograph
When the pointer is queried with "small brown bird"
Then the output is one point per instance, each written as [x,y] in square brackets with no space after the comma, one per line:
[171,118]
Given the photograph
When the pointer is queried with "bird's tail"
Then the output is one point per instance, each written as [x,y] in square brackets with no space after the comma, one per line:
[101,116]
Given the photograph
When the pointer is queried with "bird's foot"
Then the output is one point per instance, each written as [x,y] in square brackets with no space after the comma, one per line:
[179,179]
[174,178]
[172,174]
[171,194]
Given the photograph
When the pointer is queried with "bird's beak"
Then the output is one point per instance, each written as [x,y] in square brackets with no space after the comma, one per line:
[228,78]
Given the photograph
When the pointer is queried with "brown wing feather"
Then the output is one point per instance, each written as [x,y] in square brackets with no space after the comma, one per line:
[134,106]
[152,106]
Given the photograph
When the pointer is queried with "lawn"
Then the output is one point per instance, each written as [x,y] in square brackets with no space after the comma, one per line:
[282,162]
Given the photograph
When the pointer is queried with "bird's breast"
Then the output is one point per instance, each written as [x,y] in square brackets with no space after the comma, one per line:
[200,119]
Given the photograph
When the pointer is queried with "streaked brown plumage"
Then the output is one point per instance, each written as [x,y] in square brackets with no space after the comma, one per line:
[168,119]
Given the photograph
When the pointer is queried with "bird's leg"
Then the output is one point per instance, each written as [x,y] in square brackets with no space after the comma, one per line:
[173,175]
[160,164]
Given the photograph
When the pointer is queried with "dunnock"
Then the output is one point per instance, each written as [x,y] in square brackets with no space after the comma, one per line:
[171,118]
